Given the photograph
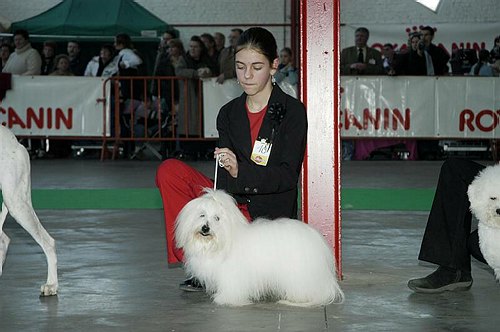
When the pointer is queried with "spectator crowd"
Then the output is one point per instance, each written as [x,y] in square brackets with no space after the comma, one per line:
[208,56]
[419,57]
[177,99]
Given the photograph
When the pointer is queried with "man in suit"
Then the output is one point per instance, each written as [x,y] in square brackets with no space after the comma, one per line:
[361,59]
[436,57]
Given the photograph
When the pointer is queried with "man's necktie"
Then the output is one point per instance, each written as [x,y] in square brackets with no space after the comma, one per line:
[361,58]
[429,64]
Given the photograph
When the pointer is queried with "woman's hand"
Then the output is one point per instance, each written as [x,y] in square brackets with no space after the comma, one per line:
[204,72]
[227,159]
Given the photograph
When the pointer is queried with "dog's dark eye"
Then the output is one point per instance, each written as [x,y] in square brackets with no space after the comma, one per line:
[202,215]
[493,198]
[216,218]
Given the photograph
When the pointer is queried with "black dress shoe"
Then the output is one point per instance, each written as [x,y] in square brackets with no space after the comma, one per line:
[192,285]
[441,280]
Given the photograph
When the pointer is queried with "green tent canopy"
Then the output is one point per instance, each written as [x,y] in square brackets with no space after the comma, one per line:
[101,18]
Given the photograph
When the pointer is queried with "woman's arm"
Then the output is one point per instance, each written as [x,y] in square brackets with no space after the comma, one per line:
[128,59]
[182,70]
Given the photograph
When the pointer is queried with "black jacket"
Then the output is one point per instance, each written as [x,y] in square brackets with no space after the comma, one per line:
[413,64]
[270,191]
[439,59]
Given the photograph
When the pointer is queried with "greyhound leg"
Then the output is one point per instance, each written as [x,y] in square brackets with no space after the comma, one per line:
[4,239]
[26,217]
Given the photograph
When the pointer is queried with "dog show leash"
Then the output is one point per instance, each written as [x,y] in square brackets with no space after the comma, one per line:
[217,165]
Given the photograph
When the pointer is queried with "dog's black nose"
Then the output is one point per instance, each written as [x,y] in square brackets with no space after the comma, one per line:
[498,211]
[205,229]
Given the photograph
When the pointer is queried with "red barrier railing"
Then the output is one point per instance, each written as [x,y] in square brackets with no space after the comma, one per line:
[145,108]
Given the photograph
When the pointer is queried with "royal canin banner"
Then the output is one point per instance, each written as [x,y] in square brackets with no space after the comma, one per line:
[55,106]
[371,106]
[420,107]
[450,36]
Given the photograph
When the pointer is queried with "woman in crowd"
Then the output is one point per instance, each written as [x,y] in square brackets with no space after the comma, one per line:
[128,63]
[413,62]
[286,75]
[495,55]
[286,70]
[263,116]
[177,53]
[212,52]
[482,67]
[48,57]
[177,59]
[5,51]
[102,64]
[496,46]
[197,65]
[61,66]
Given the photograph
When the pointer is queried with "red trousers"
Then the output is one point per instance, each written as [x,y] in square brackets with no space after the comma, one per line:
[178,184]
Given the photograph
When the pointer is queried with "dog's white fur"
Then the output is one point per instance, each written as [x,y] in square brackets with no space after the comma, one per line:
[15,184]
[240,262]
[484,197]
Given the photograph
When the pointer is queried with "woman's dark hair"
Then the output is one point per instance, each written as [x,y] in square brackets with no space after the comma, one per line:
[495,51]
[177,43]
[288,50]
[198,40]
[260,40]
[109,48]
[7,45]
[173,33]
[58,58]
[484,57]
[50,43]
[210,38]
[124,39]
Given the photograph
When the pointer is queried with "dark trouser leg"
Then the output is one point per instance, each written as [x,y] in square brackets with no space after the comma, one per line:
[449,223]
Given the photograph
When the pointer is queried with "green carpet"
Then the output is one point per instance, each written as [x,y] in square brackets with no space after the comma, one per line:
[352,199]
[387,199]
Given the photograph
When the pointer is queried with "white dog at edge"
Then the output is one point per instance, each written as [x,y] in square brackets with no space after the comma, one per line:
[240,262]
[484,197]
[15,184]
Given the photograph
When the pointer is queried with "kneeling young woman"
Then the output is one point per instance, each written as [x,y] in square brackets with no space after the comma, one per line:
[262,139]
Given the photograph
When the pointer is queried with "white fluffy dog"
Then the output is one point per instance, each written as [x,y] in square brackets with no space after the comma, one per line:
[484,197]
[15,184]
[240,262]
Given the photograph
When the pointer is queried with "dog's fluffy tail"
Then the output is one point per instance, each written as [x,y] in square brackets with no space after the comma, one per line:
[317,295]
[336,295]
